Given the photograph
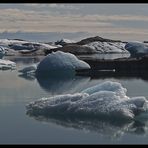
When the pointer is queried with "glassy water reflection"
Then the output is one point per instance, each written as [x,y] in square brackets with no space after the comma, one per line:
[17,127]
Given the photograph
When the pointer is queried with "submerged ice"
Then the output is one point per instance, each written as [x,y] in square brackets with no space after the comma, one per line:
[105,100]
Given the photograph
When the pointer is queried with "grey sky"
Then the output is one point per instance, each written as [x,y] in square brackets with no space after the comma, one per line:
[123,21]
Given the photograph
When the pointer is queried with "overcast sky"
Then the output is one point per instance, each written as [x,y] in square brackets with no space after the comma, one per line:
[123,21]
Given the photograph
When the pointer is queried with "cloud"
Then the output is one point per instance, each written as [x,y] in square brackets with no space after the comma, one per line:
[13,20]
[118,17]
[53,5]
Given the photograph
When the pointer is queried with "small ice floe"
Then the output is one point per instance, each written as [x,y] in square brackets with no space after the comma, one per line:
[29,69]
[6,64]
[137,49]
[2,52]
[107,100]
[28,72]
[60,64]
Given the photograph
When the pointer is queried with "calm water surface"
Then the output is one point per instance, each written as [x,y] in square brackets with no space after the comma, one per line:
[18,128]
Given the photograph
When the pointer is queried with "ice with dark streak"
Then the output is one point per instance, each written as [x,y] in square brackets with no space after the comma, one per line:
[107,100]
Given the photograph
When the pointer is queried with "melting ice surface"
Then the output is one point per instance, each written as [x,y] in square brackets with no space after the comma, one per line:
[106,100]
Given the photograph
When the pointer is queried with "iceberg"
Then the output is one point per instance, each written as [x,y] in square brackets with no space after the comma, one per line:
[60,64]
[103,101]
[92,45]
[7,64]
[137,49]
[56,64]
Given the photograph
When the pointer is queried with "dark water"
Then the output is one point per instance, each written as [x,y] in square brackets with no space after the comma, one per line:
[18,128]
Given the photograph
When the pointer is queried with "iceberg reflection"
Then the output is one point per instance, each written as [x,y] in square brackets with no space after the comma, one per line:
[110,128]
[59,85]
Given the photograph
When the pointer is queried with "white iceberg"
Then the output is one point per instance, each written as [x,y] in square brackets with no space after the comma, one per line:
[60,64]
[137,48]
[107,100]
[7,64]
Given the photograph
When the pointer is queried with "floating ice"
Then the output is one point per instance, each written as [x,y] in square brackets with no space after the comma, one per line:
[107,100]
[60,64]
[6,64]
[15,47]
[29,69]
[137,48]
[2,52]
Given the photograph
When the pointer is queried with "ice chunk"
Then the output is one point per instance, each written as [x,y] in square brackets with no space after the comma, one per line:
[16,46]
[60,63]
[107,100]
[137,48]
[29,69]
[6,64]
[2,52]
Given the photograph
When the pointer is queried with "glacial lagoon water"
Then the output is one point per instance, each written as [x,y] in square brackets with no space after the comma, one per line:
[16,127]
